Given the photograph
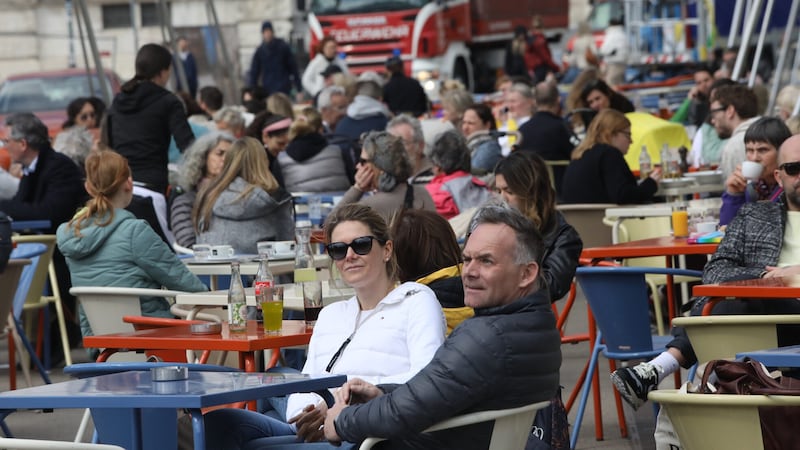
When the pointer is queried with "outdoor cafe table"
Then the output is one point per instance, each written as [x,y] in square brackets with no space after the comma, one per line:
[778,287]
[291,299]
[180,337]
[248,266]
[132,411]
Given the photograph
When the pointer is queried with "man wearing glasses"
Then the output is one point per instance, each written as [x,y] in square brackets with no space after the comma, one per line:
[507,356]
[761,241]
[733,109]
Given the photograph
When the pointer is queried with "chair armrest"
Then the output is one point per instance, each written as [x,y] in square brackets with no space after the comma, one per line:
[141,292]
[146,323]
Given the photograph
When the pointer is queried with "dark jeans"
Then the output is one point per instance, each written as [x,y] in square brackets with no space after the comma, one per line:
[787,334]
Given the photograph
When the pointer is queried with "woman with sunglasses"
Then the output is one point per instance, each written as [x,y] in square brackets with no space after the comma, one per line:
[387,332]
[598,172]
[381,180]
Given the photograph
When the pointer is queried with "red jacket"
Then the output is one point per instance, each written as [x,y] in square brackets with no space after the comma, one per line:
[538,54]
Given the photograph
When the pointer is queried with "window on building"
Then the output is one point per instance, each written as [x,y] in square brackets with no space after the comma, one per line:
[151,14]
[116,16]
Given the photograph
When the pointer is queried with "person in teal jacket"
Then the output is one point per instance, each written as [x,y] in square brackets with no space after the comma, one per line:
[105,245]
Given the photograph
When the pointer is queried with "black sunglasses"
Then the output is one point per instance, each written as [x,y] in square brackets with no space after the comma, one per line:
[791,168]
[361,245]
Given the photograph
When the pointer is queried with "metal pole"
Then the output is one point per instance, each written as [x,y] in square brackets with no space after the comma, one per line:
[89,77]
[70,34]
[166,25]
[760,44]
[777,77]
[101,74]
[234,77]
[750,23]
[735,21]
[134,28]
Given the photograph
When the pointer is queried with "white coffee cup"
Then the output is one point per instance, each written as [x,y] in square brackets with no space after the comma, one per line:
[221,252]
[751,170]
[276,248]
[201,251]
[706,227]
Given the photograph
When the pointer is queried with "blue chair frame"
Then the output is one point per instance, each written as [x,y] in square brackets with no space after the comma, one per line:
[618,298]
[30,251]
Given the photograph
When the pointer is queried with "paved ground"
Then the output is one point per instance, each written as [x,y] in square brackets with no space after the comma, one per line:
[62,424]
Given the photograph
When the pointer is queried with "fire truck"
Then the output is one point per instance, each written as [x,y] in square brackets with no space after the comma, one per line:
[454,39]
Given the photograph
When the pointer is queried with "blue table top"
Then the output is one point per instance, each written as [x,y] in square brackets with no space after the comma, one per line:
[137,390]
[788,357]
[22,225]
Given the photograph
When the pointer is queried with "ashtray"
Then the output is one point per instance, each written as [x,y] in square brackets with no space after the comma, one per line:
[206,328]
[169,373]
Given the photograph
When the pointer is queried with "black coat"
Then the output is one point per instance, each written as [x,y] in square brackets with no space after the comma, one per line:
[404,95]
[549,136]
[139,126]
[562,248]
[54,191]
[504,357]
[601,175]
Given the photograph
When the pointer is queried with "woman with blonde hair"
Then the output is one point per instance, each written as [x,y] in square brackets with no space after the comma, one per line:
[310,163]
[244,204]
[598,172]
[105,245]
[280,104]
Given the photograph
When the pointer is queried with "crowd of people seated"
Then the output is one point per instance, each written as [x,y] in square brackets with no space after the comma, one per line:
[406,181]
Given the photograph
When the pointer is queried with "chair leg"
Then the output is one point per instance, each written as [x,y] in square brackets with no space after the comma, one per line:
[87,414]
[24,357]
[587,384]
[12,363]
[35,358]
[623,425]
[657,307]
[62,323]
[578,386]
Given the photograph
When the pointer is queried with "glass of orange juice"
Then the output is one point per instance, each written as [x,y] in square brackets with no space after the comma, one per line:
[680,221]
[272,308]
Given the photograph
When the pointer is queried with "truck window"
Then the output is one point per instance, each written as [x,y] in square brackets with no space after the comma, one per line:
[332,7]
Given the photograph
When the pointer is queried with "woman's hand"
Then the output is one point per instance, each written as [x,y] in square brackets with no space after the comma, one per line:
[365,178]
[656,174]
[774,272]
[736,182]
[310,421]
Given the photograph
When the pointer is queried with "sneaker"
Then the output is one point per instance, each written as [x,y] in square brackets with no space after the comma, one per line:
[633,383]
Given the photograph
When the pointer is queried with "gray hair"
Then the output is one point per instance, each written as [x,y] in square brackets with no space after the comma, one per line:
[450,152]
[530,246]
[413,122]
[459,99]
[231,115]
[523,90]
[75,142]
[370,89]
[193,162]
[324,98]
[29,127]
[388,154]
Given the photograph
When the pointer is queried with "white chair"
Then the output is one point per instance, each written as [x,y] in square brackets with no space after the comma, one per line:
[182,250]
[38,444]
[511,426]
[587,219]
[718,421]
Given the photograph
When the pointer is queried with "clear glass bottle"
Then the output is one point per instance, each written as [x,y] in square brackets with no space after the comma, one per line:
[304,269]
[237,305]
[263,280]
[645,165]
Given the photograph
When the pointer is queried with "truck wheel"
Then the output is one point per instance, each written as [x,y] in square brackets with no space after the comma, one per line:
[460,73]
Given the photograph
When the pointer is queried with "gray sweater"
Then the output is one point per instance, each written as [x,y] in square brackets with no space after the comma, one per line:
[243,221]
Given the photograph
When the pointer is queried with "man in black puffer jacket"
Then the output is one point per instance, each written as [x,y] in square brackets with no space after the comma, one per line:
[507,356]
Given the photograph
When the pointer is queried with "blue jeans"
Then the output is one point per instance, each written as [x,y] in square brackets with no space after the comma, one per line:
[248,430]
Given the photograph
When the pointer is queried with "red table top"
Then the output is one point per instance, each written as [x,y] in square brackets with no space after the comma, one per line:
[180,337]
[661,246]
[780,287]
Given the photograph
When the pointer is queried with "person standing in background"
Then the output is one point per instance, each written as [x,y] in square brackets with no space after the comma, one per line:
[538,58]
[614,52]
[314,75]
[189,67]
[273,65]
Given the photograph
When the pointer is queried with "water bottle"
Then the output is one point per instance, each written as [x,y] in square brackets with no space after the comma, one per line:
[645,165]
[666,166]
[263,280]
[237,305]
[304,269]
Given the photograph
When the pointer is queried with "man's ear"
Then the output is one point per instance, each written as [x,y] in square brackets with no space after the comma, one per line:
[529,274]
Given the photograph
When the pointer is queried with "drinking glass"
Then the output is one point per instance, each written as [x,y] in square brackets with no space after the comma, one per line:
[271,300]
[312,301]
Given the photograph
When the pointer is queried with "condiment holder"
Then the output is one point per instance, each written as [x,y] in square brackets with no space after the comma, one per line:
[169,373]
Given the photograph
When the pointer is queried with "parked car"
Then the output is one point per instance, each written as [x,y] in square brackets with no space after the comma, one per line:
[48,93]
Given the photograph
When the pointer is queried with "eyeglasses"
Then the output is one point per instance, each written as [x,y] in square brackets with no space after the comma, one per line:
[791,168]
[361,245]
[716,110]
[627,134]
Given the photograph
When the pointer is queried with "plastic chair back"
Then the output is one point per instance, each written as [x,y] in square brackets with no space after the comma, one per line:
[511,426]
[617,297]
[40,274]
[587,219]
[643,228]
[105,306]
[718,422]
[39,444]
[9,279]
[721,337]
[34,252]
